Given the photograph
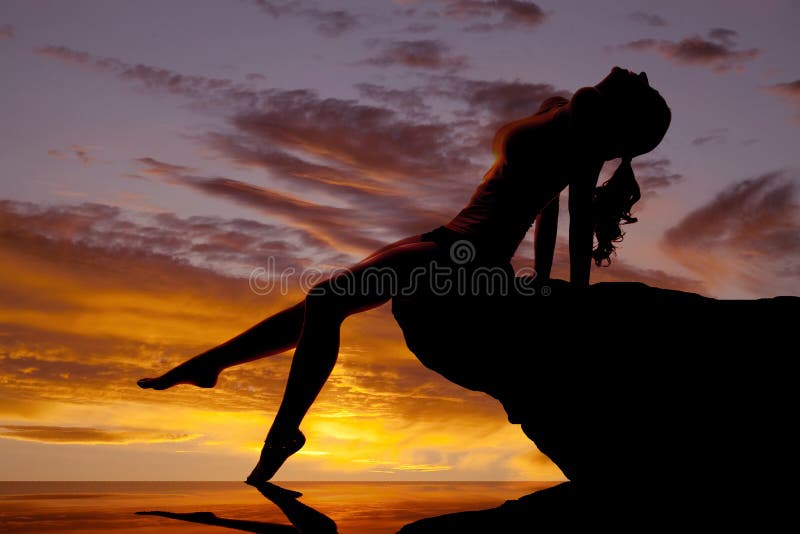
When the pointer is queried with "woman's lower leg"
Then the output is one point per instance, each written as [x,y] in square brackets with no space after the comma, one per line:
[313,361]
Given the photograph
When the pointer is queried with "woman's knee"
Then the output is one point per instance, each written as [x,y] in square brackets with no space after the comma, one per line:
[321,302]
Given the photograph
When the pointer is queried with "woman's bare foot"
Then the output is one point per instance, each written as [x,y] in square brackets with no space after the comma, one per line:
[275,452]
[191,372]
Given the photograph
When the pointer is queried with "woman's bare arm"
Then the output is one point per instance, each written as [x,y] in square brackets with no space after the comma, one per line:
[544,239]
[581,225]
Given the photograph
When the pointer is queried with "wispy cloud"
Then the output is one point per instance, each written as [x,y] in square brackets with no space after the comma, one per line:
[421,54]
[229,246]
[88,435]
[717,137]
[90,310]
[81,153]
[6,32]
[655,173]
[621,270]
[336,143]
[491,15]
[503,100]
[718,51]
[648,19]
[749,233]
[789,91]
[328,22]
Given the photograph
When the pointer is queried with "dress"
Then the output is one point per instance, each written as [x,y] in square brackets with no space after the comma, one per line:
[528,172]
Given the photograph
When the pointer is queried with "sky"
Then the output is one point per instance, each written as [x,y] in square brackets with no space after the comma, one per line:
[155,154]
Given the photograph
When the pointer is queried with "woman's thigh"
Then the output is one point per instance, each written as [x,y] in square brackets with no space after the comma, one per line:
[374,280]
[401,242]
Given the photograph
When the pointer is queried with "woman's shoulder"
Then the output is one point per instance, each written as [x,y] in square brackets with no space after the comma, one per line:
[551,103]
[531,127]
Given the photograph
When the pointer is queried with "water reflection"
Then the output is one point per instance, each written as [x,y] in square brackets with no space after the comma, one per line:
[543,508]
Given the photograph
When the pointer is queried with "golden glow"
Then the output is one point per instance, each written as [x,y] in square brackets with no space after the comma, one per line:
[89,324]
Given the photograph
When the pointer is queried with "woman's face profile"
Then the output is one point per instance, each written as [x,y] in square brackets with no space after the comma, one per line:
[621,81]
[640,115]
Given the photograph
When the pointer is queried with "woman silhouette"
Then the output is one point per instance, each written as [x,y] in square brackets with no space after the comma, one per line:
[563,145]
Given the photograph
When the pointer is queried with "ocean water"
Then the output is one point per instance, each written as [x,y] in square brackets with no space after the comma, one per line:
[187,507]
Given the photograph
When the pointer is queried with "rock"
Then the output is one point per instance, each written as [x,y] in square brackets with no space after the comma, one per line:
[658,397]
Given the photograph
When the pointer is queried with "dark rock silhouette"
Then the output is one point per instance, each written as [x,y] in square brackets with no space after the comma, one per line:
[549,510]
[656,404]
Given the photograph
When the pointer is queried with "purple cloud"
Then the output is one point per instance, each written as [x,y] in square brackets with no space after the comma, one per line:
[648,19]
[423,54]
[750,231]
[718,52]
[6,32]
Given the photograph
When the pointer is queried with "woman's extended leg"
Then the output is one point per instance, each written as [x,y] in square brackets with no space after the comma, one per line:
[327,305]
[275,334]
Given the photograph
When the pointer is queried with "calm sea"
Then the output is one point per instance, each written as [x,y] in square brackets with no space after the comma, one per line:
[184,507]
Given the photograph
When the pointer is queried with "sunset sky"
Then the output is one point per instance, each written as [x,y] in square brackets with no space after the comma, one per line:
[155,153]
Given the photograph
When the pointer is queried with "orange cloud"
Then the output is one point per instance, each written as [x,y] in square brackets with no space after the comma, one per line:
[87,435]
[88,311]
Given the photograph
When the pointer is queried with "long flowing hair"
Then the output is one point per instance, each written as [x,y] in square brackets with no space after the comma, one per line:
[641,119]
[611,208]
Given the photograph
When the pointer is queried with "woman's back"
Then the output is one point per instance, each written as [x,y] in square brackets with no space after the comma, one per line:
[527,173]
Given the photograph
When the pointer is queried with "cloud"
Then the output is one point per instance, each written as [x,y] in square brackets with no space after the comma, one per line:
[648,19]
[341,229]
[88,312]
[789,91]
[410,101]
[154,167]
[749,233]
[725,36]
[622,271]
[488,103]
[374,204]
[210,90]
[232,247]
[364,138]
[420,27]
[422,54]
[80,152]
[654,174]
[333,23]
[332,224]
[718,52]
[503,100]
[6,32]
[330,23]
[344,131]
[336,143]
[705,139]
[88,435]
[496,14]
[717,135]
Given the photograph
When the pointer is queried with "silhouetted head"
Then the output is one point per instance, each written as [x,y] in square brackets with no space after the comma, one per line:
[620,117]
[629,117]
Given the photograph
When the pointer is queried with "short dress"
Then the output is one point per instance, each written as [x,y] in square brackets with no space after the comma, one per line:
[529,155]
